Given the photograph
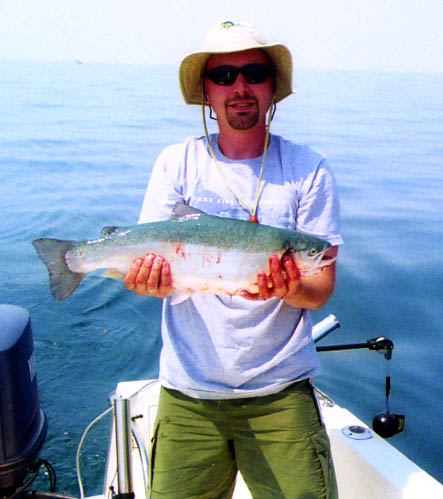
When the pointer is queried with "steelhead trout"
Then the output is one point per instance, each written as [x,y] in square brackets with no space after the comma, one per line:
[207,254]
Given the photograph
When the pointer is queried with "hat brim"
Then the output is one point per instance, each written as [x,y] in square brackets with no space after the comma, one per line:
[192,67]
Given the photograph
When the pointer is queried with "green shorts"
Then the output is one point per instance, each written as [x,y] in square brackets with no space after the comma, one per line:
[277,441]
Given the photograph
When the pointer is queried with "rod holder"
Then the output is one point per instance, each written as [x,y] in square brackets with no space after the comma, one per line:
[122,418]
[324,327]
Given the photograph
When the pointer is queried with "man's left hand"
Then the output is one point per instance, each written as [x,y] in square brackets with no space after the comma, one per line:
[282,282]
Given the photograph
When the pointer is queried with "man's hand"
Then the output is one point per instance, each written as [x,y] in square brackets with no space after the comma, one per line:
[284,282]
[150,276]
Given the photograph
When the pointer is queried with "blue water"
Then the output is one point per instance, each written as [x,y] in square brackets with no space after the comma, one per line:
[77,144]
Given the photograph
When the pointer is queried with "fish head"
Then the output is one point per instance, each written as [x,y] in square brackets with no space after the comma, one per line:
[311,258]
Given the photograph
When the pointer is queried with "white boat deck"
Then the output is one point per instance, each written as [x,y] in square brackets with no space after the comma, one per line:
[367,466]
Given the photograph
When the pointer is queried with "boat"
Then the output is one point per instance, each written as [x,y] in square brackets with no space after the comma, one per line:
[367,465]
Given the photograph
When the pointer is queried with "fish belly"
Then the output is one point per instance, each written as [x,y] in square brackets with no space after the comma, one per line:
[194,268]
[197,269]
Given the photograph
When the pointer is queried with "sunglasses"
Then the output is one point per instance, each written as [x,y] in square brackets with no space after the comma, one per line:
[226,75]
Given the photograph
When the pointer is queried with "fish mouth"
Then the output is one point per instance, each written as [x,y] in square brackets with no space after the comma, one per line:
[309,264]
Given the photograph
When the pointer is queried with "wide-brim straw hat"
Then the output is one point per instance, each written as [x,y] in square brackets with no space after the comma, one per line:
[233,37]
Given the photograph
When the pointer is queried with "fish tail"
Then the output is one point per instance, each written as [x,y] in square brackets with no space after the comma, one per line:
[61,279]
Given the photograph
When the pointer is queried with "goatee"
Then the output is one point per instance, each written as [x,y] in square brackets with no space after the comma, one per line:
[242,121]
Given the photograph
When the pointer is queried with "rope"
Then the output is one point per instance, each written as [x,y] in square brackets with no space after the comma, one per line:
[252,212]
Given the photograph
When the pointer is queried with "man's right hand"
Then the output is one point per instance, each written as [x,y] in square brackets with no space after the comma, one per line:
[150,276]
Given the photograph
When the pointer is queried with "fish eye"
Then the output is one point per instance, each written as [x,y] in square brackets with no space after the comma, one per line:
[312,252]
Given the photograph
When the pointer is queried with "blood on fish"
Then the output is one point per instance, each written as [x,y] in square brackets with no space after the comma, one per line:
[207,257]
[179,251]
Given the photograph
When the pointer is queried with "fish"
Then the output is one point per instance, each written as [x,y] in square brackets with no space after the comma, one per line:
[206,253]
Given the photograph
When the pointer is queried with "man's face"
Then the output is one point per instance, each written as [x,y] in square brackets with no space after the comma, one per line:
[241,105]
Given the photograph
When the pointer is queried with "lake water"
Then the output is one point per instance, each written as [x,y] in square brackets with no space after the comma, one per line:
[77,144]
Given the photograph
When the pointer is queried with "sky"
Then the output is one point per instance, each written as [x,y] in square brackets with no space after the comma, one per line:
[398,35]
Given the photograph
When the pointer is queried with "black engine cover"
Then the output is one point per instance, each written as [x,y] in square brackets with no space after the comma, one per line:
[23,425]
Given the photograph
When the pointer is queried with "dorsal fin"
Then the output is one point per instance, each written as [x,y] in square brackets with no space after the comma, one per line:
[182,212]
[109,230]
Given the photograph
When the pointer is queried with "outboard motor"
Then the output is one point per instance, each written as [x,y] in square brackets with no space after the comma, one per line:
[23,425]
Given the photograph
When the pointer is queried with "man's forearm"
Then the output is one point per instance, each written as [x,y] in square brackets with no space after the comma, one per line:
[313,291]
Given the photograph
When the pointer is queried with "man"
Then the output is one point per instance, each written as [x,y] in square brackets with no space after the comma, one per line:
[235,371]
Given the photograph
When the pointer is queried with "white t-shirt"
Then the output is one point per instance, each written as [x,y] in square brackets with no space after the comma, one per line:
[219,347]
